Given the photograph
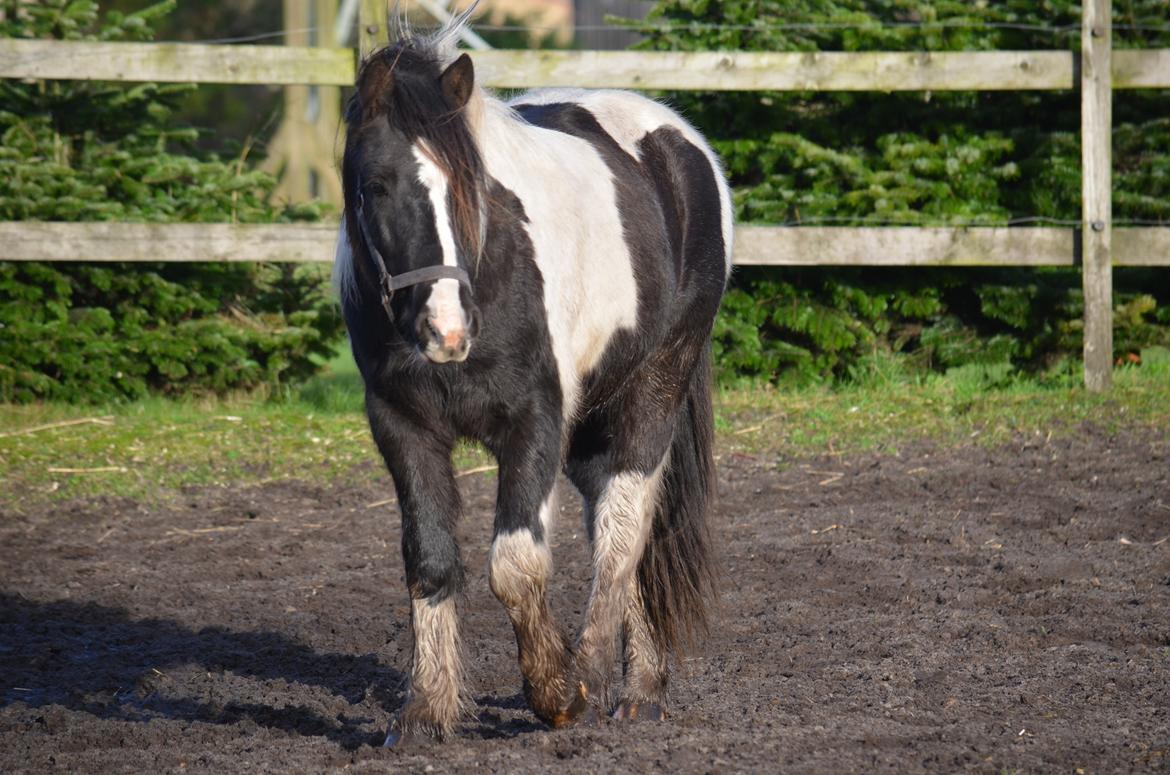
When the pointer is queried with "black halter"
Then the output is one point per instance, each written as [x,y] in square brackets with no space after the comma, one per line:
[388,283]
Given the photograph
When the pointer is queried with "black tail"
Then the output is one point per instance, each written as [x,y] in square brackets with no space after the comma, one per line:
[676,574]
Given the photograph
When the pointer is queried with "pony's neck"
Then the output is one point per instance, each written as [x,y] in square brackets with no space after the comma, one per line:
[505,141]
[478,106]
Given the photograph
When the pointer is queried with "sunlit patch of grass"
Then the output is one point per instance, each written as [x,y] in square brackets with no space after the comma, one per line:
[151,450]
[890,408]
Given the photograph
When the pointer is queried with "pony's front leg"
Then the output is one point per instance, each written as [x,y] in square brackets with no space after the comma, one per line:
[520,562]
[420,461]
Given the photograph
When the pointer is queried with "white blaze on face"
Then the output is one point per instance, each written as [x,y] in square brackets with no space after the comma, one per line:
[443,307]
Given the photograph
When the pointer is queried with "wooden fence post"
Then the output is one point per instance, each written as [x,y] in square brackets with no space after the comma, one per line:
[1096,192]
[302,151]
[373,19]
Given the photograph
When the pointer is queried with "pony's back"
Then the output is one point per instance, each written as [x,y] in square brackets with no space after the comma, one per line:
[635,121]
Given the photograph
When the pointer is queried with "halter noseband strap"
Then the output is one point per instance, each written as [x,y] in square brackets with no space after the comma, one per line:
[388,283]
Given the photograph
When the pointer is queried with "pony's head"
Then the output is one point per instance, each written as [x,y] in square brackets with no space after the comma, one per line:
[414,184]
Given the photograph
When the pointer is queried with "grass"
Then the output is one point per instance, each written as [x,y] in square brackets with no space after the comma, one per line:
[889,408]
[152,450]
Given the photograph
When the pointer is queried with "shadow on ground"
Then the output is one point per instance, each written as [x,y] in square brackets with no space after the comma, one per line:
[98,660]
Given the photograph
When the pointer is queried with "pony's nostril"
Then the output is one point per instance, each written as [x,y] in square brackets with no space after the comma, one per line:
[455,340]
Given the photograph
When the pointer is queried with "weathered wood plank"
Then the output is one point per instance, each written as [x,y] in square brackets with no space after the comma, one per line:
[878,71]
[755,245]
[915,71]
[1096,192]
[902,246]
[40,241]
[372,22]
[175,62]
[742,71]
[1144,246]
[1134,69]
[920,246]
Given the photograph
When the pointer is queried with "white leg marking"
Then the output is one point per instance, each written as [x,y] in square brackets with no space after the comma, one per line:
[621,526]
[518,567]
[436,699]
[648,668]
[622,523]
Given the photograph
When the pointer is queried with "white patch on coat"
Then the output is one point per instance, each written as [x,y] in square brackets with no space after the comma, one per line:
[628,117]
[570,200]
[443,306]
[548,511]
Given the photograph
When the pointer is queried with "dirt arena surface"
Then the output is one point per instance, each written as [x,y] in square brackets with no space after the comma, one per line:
[929,610]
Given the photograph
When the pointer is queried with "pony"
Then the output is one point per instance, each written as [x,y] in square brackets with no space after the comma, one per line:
[539,275]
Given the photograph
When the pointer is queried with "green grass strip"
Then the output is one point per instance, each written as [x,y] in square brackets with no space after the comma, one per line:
[152,450]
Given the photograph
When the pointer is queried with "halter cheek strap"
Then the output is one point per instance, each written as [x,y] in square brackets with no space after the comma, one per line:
[388,283]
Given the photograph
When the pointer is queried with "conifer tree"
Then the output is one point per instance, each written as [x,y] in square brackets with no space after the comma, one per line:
[88,151]
[949,158]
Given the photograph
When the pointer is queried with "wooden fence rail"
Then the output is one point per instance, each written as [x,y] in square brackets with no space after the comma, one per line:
[706,71]
[754,246]
[1096,70]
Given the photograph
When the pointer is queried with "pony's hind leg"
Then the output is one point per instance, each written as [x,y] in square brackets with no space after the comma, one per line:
[520,561]
[647,664]
[619,521]
[646,474]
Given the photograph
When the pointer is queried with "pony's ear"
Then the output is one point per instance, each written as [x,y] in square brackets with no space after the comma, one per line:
[457,81]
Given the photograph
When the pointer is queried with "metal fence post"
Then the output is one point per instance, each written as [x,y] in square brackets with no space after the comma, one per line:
[1096,191]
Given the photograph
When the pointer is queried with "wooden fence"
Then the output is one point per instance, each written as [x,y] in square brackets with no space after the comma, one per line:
[1096,247]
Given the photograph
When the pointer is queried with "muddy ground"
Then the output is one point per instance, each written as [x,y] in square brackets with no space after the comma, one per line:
[933,610]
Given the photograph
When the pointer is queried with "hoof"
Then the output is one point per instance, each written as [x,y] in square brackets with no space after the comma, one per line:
[396,738]
[400,739]
[639,711]
[579,711]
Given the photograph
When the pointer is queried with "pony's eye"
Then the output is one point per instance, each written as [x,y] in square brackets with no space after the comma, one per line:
[376,188]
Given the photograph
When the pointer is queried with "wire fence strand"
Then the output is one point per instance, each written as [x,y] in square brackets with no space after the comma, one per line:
[661,27]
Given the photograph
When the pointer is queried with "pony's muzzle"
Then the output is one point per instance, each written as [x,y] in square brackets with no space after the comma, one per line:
[445,332]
